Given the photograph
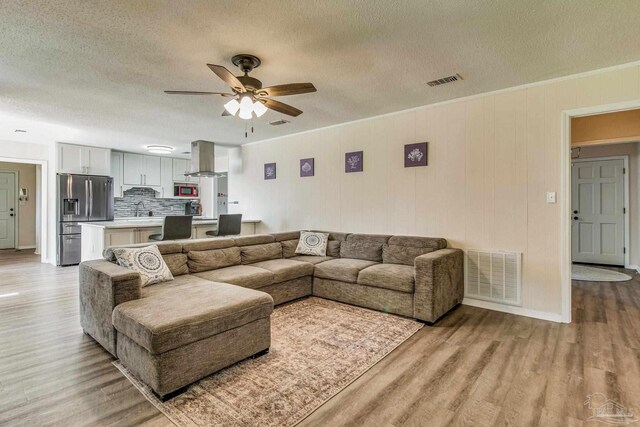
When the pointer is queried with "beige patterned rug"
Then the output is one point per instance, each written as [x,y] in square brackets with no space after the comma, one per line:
[318,347]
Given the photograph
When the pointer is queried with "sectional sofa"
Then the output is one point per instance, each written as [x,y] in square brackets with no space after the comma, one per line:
[216,310]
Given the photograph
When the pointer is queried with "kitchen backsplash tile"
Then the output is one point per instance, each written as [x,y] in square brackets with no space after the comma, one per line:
[126,206]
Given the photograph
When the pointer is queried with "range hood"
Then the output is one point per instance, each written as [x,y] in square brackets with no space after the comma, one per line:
[203,159]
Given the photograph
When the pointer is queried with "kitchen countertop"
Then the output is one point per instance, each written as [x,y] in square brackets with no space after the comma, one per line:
[143,222]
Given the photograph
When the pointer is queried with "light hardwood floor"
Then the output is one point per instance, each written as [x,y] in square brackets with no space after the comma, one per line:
[475,367]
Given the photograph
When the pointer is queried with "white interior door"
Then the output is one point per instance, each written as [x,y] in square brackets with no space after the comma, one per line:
[597,208]
[7,210]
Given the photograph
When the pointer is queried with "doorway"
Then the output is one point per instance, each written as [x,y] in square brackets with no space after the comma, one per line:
[599,234]
[628,137]
[8,182]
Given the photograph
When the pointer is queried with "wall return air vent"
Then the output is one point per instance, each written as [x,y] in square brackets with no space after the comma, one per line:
[493,276]
[444,80]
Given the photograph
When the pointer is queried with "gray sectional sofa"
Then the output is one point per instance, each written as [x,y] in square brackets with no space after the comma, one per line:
[216,310]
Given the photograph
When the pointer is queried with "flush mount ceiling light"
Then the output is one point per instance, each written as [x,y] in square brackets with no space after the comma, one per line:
[159,149]
[249,97]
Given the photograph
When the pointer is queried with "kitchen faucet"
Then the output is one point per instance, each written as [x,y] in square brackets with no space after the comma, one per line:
[137,206]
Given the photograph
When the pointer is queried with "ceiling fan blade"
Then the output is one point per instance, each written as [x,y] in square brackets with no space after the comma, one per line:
[187,92]
[281,107]
[288,89]
[228,78]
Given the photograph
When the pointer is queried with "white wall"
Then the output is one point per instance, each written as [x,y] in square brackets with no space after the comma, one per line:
[491,159]
[45,154]
[630,149]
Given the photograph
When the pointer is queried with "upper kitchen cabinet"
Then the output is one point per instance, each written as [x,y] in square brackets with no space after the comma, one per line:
[80,159]
[180,168]
[117,169]
[142,170]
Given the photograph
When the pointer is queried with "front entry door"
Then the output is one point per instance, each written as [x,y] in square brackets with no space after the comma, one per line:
[7,210]
[597,211]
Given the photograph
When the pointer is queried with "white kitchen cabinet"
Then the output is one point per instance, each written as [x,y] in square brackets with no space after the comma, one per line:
[124,236]
[152,174]
[97,160]
[70,158]
[117,160]
[133,169]
[144,233]
[80,159]
[141,170]
[166,177]
[180,167]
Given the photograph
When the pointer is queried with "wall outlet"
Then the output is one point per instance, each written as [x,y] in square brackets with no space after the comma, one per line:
[551,196]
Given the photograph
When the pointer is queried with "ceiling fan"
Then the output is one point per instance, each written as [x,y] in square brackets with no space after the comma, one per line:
[249,97]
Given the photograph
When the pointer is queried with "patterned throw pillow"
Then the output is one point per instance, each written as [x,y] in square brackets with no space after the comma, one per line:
[147,261]
[312,243]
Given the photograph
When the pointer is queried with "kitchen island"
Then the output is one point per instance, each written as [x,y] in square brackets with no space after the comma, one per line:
[97,236]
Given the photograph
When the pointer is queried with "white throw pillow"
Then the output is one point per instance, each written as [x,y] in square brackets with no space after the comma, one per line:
[312,243]
[147,261]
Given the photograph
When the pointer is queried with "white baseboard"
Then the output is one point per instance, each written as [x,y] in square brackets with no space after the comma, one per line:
[543,315]
[26,247]
[631,267]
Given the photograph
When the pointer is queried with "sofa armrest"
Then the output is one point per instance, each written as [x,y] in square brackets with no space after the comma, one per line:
[104,285]
[439,283]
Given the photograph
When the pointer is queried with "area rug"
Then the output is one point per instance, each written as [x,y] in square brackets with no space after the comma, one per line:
[594,274]
[318,347]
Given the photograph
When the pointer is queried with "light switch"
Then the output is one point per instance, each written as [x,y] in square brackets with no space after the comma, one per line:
[551,196]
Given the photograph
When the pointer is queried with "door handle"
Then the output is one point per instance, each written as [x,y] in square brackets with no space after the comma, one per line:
[10,214]
[576,218]
[575,212]
[10,209]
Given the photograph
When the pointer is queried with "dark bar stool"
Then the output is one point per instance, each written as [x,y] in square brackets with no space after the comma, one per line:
[174,228]
[228,225]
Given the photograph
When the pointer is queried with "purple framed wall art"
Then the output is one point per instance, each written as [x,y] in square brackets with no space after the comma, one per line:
[269,171]
[353,162]
[307,167]
[415,155]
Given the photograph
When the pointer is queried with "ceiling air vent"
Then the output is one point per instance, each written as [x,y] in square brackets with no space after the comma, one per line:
[444,80]
[279,122]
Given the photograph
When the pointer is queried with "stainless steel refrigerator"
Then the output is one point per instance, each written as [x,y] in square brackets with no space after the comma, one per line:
[81,198]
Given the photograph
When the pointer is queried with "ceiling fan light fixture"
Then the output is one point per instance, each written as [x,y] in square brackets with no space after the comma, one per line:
[259,108]
[232,106]
[246,107]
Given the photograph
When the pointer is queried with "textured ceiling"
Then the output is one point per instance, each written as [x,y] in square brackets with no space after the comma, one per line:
[93,72]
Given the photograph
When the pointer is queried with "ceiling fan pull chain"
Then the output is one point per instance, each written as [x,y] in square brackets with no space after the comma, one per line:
[246,134]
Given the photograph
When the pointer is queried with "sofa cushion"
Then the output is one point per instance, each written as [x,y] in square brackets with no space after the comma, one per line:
[397,254]
[312,243]
[179,316]
[246,276]
[207,244]
[312,259]
[343,269]
[289,248]
[213,259]
[286,235]
[363,246]
[255,253]
[333,248]
[254,239]
[164,248]
[286,269]
[147,261]
[183,282]
[177,264]
[394,277]
[434,243]
[341,237]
